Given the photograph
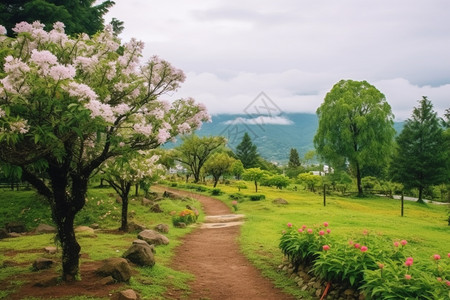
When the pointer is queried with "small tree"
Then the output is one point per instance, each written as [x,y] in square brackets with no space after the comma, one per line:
[294,159]
[278,180]
[421,158]
[255,175]
[125,171]
[247,152]
[217,165]
[195,151]
[237,168]
[310,181]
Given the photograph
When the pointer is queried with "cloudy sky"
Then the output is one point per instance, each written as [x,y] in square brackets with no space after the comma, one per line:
[296,50]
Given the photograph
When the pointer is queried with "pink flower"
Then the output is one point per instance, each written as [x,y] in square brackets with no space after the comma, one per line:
[365,232]
[234,202]
[396,244]
[380,265]
[407,276]
[436,257]
[289,225]
[303,227]
[403,242]
[321,232]
[310,231]
[357,246]
[328,230]
[350,242]
[408,263]
[447,282]
[364,248]
[300,230]
[448,255]
[325,224]
[326,247]
[410,258]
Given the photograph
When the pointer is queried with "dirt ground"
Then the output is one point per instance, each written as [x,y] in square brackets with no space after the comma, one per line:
[221,271]
[211,254]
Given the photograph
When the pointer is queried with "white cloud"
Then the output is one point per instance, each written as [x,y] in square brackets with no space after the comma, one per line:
[296,50]
[261,120]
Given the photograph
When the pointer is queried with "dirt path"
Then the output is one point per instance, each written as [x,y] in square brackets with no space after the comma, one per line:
[213,256]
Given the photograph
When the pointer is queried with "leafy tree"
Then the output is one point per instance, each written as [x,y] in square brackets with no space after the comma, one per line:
[195,151]
[310,181]
[355,127]
[218,164]
[255,175]
[309,156]
[294,159]
[125,171]
[78,16]
[237,168]
[421,158]
[69,104]
[247,152]
[277,180]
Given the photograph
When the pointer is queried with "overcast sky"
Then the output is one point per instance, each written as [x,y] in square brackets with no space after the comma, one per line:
[296,50]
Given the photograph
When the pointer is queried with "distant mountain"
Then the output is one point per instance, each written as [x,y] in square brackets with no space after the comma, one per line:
[273,135]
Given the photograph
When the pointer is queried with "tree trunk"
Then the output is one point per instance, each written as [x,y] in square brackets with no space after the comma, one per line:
[70,247]
[420,200]
[358,180]
[124,218]
[256,186]
[136,193]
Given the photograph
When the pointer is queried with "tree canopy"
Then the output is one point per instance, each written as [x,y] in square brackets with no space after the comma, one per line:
[355,127]
[421,157]
[218,165]
[67,104]
[81,16]
[247,152]
[294,158]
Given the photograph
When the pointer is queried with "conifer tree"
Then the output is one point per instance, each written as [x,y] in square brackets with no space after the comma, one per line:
[247,152]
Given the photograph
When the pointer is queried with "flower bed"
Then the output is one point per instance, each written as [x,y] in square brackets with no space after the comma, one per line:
[379,267]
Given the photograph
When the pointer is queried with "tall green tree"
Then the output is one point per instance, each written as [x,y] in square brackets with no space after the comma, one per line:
[421,157]
[81,16]
[219,164]
[355,127]
[294,159]
[195,151]
[67,104]
[247,152]
[255,175]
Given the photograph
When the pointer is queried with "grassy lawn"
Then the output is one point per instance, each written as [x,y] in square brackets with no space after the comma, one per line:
[423,226]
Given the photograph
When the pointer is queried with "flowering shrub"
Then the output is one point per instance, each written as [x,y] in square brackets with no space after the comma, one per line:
[384,269]
[185,216]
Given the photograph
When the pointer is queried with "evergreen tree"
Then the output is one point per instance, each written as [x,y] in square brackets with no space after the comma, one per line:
[78,16]
[247,152]
[294,159]
[421,157]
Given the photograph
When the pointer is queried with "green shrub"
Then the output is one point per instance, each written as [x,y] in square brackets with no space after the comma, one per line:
[256,197]
[173,184]
[216,192]
[185,216]
[236,196]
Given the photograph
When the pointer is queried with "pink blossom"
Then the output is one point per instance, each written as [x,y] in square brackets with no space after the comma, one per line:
[447,282]
[325,247]
[43,58]
[234,202]
[81,91]
[145,129]
[3,30]
[436,257]
[300,230]
[357,246]
[325,224]
[380,265]
[23,27]
[2,113]
[121,109]
[20,126]
[310,231]
[321,232]
[364,248]
[289,225]
[328,230]
[163,135]
[407,276]
[408,263]
[396,244]
[448,255]
[350,242]
[403,242]
[60,72]
[184,128]
[410,258]
[303,226]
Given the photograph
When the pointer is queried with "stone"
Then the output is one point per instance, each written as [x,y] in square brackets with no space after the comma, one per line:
[14,234]
[163,228]
[140,254]
[45,228]
[50,249]
[17,227]
[280,201]
[318,293]
[42,263]
[156,208]
[133,227]
[181,225]
[95,226]
[106,280]
[85,229]
[116,267]
[128,294]
[153,237]
[146,202]
[142,242]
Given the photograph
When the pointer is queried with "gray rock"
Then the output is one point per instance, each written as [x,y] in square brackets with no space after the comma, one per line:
[44,228]
[133,227]
[153,238]
[106,280]
[116,267]
[146,202]
[142,242]
[85,229]
[280,201]
[181,225]
[50,249]
[156,208]
[163,228]
[140,254]
[127,295]
[42,263]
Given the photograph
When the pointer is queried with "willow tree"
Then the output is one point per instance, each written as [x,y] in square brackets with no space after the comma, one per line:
[67,104]
[355,128]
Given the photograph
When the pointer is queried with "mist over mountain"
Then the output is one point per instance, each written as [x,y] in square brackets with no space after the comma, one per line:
[273,135]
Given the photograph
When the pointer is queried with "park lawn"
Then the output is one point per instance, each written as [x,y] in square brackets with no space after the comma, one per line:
[423,226]
[101,208]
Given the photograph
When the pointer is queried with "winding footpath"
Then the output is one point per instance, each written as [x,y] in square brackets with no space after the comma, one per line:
[211,253]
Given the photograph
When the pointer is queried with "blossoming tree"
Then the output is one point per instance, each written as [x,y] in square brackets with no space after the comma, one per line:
[67,104]
[125,171]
